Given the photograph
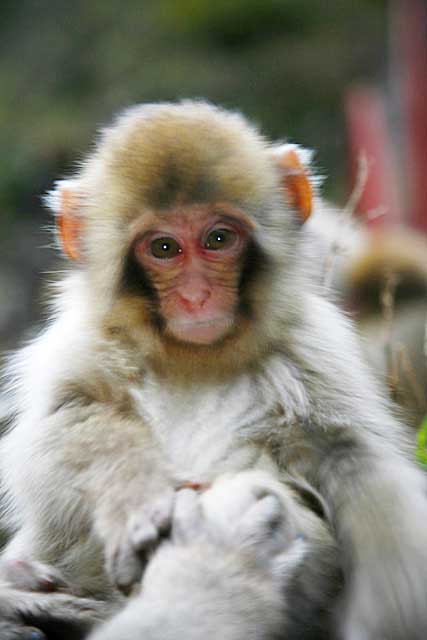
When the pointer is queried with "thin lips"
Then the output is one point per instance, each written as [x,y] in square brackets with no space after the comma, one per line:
[201,323]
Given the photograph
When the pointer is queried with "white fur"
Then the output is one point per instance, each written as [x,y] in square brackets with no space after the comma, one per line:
[98,436]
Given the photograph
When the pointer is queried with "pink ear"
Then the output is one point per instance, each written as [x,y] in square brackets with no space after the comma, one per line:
[295,179]
[65,202]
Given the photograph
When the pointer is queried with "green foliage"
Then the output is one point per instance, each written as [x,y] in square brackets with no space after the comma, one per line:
[422,444]
[240,23]
[67,67]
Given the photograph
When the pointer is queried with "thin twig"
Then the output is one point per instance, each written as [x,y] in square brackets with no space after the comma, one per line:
[387,305]
[344,220]
[408,369]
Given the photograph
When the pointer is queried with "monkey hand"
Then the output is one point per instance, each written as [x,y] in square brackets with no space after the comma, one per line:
[132,542]
[31,575]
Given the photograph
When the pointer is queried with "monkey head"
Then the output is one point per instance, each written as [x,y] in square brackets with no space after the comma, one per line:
[184,222]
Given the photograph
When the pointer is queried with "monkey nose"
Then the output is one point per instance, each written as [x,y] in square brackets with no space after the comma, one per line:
[193,300]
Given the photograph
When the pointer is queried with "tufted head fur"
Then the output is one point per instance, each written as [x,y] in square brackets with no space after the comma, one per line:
[158,157]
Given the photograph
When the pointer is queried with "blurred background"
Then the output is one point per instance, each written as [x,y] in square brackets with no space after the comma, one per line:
[342,77]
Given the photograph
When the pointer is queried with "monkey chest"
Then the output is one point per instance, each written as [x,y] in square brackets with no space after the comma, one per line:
[205,432]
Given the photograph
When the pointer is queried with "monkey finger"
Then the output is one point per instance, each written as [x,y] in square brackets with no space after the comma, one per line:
[149,524]
[260,522]
[285,563]
[128,557]
[160,511]
[143,534]
[187,521]
[125,565]
[153,521]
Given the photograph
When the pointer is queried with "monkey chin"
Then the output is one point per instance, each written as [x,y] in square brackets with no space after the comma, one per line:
[201,332]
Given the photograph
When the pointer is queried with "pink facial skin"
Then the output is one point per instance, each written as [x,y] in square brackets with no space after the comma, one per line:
[194,261]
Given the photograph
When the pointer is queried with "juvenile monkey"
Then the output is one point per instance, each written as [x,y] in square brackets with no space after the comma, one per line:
[190,339]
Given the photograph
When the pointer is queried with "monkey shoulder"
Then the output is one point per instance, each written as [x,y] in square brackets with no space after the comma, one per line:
[342,389]
[324,343]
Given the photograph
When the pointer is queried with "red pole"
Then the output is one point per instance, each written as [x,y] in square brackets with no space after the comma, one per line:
[368,133]
[410,45]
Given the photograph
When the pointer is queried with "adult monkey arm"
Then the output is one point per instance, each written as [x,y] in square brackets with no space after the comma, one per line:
[356,460]
[191,317]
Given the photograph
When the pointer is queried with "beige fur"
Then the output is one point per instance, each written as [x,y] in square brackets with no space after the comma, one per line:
[112,416]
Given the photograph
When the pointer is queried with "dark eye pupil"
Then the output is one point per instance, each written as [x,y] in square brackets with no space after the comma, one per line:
[219,239]
[165,248]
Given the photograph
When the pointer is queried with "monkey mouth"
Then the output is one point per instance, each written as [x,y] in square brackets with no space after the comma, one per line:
[207,331]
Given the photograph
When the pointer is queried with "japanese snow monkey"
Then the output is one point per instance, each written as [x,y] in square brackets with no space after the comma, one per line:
[189,340]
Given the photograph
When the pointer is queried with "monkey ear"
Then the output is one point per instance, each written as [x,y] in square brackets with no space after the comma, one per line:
[294,166]
[64,201]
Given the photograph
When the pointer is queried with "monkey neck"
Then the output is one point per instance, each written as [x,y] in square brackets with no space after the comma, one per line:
[182,363]
[204,364]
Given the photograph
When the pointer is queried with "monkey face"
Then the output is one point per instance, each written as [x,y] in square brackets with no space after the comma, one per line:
[192,258]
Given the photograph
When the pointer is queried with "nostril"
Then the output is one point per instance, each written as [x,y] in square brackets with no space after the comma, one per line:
[186,304]
[205,295]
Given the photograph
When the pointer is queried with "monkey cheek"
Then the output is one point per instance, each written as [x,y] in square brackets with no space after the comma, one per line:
[204,332]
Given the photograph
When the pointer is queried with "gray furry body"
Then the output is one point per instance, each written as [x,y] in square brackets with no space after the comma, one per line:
[108,424]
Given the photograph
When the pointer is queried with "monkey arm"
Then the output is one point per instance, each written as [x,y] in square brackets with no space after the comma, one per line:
[74,479]
[379,511]
[376,495]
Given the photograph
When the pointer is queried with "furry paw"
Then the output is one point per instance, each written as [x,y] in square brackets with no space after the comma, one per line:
[30,575]
[250,510]
[127,555]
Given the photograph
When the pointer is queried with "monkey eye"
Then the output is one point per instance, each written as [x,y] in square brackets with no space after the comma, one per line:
[219,239]
[165,248]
